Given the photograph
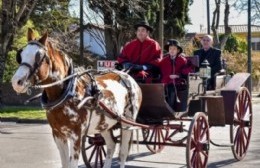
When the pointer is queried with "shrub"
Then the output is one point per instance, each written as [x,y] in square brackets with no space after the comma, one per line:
[238,62]
[235,44]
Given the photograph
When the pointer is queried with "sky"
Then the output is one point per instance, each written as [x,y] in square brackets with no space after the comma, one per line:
[198,15]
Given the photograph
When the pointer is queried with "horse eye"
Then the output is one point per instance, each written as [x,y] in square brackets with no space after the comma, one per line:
[38,57]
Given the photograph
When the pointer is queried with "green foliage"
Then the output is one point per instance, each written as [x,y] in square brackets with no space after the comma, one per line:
[10,66]
[237,62]
[21,36]
[175,17]
[52,15]
[235,44]
[22,113]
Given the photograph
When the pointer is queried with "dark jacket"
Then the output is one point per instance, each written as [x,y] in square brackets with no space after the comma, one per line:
[213,56]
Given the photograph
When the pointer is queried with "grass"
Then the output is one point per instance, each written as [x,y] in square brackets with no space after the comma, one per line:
[23,113]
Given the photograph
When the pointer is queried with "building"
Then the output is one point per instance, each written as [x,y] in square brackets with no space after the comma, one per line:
[94,38]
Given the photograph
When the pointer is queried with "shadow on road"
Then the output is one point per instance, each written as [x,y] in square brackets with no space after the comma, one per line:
[222,163]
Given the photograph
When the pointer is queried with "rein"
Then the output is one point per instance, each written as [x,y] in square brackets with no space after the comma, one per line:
[62,80]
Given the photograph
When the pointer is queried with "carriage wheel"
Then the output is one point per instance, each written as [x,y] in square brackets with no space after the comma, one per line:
[154,138]
[197,149]
[240,131]
[93,151]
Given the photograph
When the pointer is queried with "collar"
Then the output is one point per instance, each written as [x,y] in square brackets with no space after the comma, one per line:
[146,39]
[173,57]
[208,49]
[68,93]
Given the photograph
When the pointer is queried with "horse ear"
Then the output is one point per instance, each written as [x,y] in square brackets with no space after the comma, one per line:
[30,35]
[43,39]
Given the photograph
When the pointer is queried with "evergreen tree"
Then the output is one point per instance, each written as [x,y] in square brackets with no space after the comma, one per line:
[176,17]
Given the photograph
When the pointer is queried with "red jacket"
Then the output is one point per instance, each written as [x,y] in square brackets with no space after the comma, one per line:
[168,68]
[137,52]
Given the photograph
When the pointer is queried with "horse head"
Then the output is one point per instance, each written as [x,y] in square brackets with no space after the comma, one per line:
[39,63]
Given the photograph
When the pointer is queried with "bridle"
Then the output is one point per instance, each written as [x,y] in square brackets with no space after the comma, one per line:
[38,60]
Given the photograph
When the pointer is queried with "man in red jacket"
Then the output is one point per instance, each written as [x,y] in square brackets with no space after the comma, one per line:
[142,54]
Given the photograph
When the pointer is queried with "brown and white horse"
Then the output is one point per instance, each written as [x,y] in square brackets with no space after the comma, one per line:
[41,63]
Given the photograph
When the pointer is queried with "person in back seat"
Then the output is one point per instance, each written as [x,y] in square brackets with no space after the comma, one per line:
[142,54]
[213,56]
[173,69]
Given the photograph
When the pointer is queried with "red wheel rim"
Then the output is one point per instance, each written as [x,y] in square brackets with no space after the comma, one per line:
[197,149]
[240,131]
[154,139]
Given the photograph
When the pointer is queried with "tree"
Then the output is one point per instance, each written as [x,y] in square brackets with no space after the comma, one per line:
[118,17]
[215,24]
[242,5]
[176,17]
[53,16]
[15,14]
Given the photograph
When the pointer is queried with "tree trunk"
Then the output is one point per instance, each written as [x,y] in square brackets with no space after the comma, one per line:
[109,42]
[215,24]
[227,27]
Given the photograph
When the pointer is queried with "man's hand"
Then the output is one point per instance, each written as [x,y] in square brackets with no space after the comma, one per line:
[143,74]
[174,76]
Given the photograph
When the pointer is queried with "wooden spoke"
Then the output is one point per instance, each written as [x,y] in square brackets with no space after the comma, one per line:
[155,138]
[197,148]
[240,130]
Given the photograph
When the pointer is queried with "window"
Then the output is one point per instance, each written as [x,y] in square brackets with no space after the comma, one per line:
[253,46]
[256,46]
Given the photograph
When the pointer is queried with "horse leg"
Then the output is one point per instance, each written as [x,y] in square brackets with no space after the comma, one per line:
[74,151]
[111,145]
[124,147]
[62,145]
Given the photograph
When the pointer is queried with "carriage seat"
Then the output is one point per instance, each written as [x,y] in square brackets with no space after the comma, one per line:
[193,61]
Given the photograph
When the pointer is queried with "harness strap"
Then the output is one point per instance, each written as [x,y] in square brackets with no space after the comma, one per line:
[120,118]
[67,94]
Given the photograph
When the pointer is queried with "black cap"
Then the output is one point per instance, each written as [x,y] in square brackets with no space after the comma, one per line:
[173,42]
[143,24]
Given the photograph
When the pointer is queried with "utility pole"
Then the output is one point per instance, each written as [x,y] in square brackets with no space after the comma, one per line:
[81,32]
[249,61]
[161,32]
[208,16]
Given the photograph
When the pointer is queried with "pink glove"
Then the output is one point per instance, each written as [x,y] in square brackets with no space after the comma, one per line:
[142,74]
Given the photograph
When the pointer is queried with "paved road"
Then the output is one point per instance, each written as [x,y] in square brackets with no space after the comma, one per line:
[32,146]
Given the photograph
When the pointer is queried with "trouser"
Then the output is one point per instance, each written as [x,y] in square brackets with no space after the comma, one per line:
[171,95]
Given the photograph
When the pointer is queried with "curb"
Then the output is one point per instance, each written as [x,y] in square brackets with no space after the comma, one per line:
[23,121]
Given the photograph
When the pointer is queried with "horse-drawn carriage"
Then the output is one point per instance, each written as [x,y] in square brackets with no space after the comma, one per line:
[75,109]
[229,104]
